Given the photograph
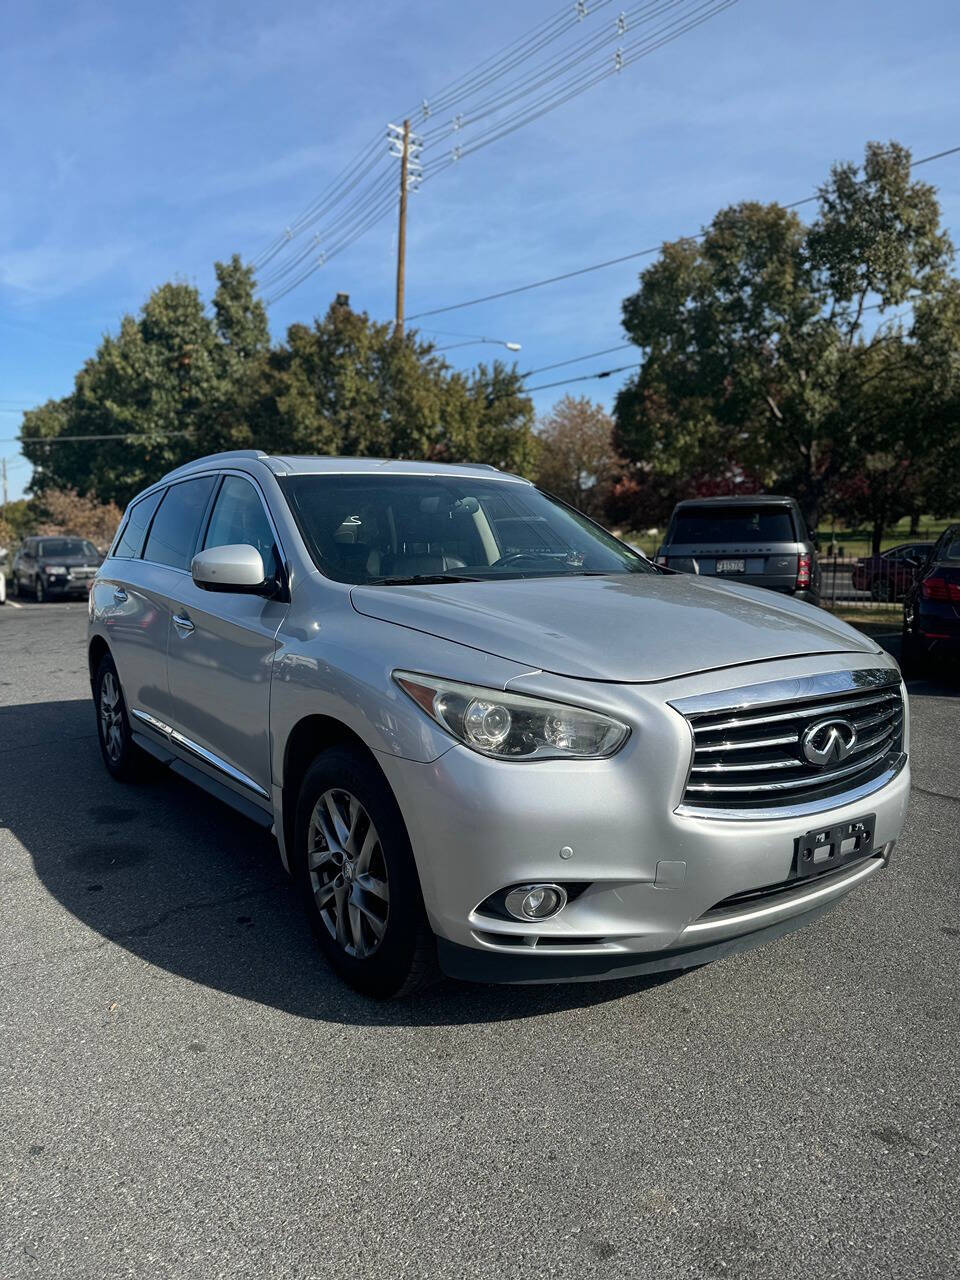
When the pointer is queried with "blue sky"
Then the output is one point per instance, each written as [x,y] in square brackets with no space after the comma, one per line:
[141,142]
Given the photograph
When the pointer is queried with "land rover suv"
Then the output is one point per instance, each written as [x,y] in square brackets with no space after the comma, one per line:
[485,732]
[762,540]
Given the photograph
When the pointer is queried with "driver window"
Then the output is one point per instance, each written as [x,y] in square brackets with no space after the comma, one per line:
[239,517]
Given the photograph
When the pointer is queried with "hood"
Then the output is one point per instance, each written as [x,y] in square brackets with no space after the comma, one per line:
[73,559]
[622,627]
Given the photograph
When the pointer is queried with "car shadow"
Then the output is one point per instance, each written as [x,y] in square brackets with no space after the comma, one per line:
[180,880]
[942,680]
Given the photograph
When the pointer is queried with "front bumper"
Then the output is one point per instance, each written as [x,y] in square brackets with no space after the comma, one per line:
[67,586]
[646,881]
[472,964]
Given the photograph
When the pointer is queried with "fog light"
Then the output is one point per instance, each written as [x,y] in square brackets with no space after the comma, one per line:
[535,901]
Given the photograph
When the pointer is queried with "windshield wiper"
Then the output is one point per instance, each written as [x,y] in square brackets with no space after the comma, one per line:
[420,579]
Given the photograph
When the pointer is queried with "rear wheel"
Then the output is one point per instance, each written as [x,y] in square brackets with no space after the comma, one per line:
[121,755]
[358,879]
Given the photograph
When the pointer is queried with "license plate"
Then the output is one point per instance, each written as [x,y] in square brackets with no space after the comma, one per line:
[830,847]
[731,566]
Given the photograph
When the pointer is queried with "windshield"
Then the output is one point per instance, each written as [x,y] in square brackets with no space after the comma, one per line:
[68,547]
[370,528]
[735,524]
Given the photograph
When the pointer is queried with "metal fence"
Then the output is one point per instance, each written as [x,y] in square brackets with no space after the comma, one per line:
[864,580]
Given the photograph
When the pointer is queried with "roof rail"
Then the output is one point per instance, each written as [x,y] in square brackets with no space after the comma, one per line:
[231,455]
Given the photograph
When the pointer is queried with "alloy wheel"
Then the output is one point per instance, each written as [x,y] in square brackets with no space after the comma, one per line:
[111,718]
[38,590]
[348,873]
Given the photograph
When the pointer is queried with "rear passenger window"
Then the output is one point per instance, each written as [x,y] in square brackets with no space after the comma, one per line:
[173,534]
[130,543]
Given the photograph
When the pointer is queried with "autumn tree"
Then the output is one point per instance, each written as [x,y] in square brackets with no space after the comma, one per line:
[64,511]
[578,461]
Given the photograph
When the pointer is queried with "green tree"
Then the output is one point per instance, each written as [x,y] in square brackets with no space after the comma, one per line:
[173,384]
[350,385]
[755,341]
[176,383]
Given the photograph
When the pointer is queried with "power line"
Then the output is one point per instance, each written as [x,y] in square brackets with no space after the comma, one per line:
[557,80]
[126,435]
[494,66]
[576,359]
[586,377]
[626,257]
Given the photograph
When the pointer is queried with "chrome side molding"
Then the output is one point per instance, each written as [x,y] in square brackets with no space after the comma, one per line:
[208,757]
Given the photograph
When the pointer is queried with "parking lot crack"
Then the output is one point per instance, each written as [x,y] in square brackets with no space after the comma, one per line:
[937,795]
[184,908]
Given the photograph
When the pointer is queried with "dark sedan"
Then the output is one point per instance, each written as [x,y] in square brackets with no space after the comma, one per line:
[931,607]
[888,576]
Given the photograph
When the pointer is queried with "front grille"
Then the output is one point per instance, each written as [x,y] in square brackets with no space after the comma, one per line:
[749,754]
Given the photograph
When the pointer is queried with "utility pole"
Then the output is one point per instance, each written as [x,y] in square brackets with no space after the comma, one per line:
[3,472]
[402,232]
[404,146]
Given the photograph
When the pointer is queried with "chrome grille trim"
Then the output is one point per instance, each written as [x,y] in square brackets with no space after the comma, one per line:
[743,746]
[742,722]
[862,745]
[789,784]
[751,774]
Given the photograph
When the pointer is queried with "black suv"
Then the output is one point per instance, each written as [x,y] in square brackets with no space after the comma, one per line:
[761,539]
[931,606]
[54,566]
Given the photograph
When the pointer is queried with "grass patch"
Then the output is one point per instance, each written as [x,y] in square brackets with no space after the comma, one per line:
[879,619]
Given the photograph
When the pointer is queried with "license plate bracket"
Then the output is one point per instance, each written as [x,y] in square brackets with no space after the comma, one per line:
[830,847]
[731,566]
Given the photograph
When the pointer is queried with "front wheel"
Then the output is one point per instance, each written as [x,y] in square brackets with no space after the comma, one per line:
[39,594]
[358,879]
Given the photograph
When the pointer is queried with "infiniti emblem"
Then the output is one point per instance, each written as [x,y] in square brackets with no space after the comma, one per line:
[828,741]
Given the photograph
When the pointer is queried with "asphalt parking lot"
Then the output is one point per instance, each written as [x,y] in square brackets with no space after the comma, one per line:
[188,1092]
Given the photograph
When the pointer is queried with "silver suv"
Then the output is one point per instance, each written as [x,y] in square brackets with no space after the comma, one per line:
[761,539]
[485,732]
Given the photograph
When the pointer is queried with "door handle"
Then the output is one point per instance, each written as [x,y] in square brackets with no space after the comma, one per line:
[182,623]
[119,596]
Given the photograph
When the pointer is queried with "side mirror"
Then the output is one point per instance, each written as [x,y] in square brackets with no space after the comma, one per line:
[237,567]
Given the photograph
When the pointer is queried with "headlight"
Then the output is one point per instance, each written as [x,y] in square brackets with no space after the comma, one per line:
[512,726]
[54,568]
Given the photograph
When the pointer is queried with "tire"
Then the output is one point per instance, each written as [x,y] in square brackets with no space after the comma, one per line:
[38,592]
[123,758]
[914,664]
[358,879]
